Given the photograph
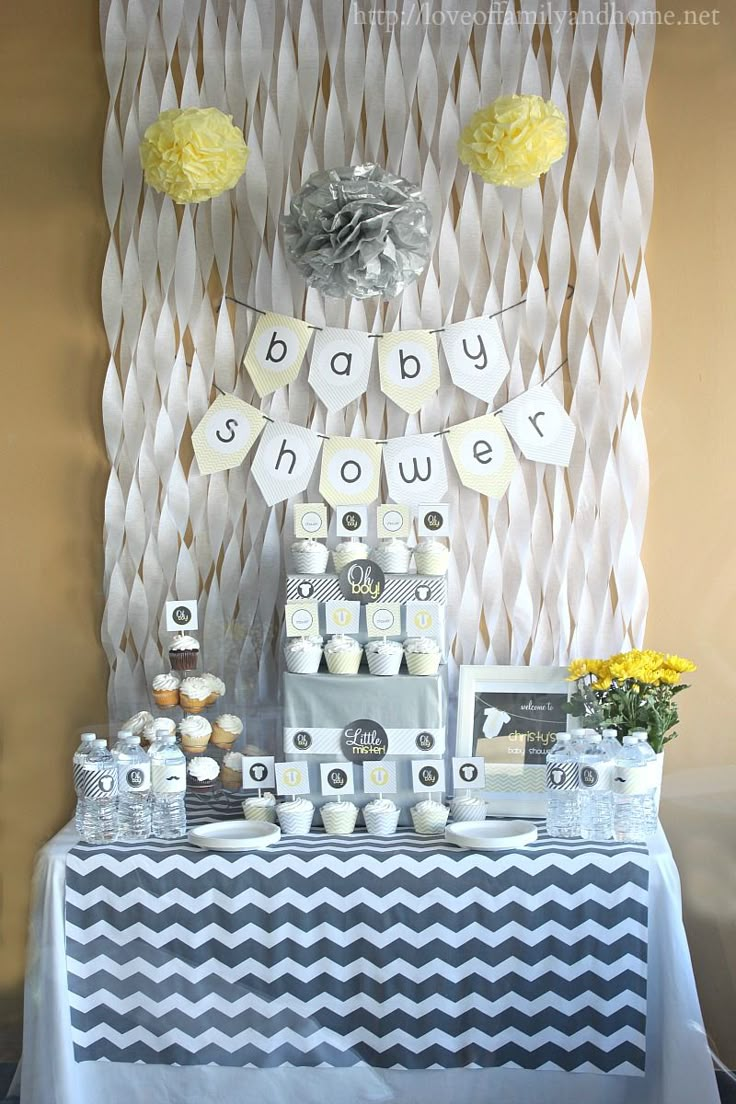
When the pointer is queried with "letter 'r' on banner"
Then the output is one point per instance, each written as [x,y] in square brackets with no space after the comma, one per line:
[351,471]
[476,356]
[409,367]
[541,426]
[285,460]
[340,366]
[415,469]
[483,455]
[276,351]
[226,434]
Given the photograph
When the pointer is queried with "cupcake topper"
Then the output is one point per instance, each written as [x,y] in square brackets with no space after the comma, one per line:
[337,779]
[258,772]
[428,776]
[468,773]
[292,779]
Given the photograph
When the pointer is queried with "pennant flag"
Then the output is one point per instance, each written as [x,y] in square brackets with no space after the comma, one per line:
[415,469]
[409,367]
[226,434]
[483,455]
[351,471]
[541,426]
[476,356]
[276,351]
[285,460]
[340,367]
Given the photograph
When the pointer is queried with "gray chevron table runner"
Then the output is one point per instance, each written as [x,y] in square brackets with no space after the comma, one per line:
[398,953]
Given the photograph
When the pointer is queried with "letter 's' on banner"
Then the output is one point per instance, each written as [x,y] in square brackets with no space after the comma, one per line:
[483,455]
[276,351]
[415,469]
[340,366]
[409,367]
[226,434]
[285,460]
[351,471]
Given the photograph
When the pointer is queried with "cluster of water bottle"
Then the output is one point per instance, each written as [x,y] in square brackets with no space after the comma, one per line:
[129,794]
[599,789]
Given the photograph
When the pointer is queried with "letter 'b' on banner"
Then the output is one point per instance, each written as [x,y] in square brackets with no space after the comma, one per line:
[483,455]
[340,366]
[284,461]
[351,471]
[226,434]
[409,367]
[415,469]
[276,351]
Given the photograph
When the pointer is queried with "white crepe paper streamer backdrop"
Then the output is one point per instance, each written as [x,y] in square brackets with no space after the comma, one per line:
[550,570]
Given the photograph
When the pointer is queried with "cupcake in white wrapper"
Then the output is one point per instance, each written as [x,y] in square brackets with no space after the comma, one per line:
[303,655]
[295,817]
[468,808]
[195,734]
[260,808]
[429,817]
[384,656]
[343,655]
[392,556]
[422,655]
[381,817]
[431,557]
[339,817]
[309,556]
[347,551]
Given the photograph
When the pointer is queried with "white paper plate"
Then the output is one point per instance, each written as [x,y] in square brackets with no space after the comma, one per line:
[235,835]
[491,835]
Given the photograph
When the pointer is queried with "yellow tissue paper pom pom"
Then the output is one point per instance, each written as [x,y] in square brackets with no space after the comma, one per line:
[193,153]
[514,140]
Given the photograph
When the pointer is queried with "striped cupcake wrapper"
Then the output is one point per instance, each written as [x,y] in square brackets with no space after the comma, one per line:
[422,663]
[430,824]
[260,812]
[344,663]
[304,663]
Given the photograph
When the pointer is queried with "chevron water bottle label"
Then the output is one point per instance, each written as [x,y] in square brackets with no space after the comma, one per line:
[169,778]
[134,777]
[563,776]
[598,777]
[91,780]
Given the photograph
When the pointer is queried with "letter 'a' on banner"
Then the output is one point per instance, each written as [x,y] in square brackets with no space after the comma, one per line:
[476,356]
[483,455]
[351,471]
[340,366]
[226,434]
[541,426]
[415,469]
[409,367]
[285,460]
[276,351]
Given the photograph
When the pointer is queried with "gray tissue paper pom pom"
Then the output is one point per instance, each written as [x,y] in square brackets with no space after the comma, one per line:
[358,231]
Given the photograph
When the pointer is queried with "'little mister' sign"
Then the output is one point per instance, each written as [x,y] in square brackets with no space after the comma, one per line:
[364,741]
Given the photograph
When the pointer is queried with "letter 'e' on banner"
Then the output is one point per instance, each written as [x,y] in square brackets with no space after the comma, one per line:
[541,426]
[483,455]
[476,356]
[351,471]
[415,469]
[226,434]
[340,366]
[276,351]
[409,367]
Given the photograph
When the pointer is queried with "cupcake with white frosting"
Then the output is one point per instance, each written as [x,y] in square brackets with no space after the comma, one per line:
[349,550]
[262,807]
[202,774]
[429,817]
[157,727]
[166,690]
[339,817]
[309,556]
[303,655]
[184,652]
[195,734]
[431,557]
[231,771]
[381,817]
[216,685]
[467,808]
[384,656]
[343,655]
[194,693]
[225,730]
[422,655]
[295,816]
[392,555]
[137,724]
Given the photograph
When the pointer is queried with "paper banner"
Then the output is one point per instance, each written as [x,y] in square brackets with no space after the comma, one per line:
[351,471]
[483,455]
[337,778]
[340,366]
[310,519]
[276,351]
[409,367]
[541,426]
[415,468]
[476,356]
[394,521]
[302,618]
[383,618]
[285,460]
[226,434]
[342,616]
[379,777]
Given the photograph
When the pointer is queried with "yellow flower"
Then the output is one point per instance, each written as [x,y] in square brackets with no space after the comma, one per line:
[603,683]
[514,140]
[578,669]
[677,663]
[193,153]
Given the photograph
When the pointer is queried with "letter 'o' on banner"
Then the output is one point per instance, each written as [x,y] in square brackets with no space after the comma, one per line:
[340,366]
[415,469]
[476,356]
[351,471]
[276,351]
[409,367]
[483,455]
[541,426]
[285,460]
[226,434]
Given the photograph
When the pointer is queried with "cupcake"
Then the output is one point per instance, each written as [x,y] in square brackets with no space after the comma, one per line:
[381,817]
[339,817]
[303,655]
[392,556]
[202,774]
[295,817]
[166,691]
[194,694]
[157,727]
[384,656]
[231,771]
[137,724]
[468,808]
[195,734]
[225,730]
[217,688]
[431,557]
[261,808]
[309,556]
[184,653]
[347,551]
[422,655]
[343,655]
[429,817]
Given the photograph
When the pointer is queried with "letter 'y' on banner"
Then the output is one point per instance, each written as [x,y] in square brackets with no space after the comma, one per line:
[340,366]
[409,367]
[415,469]
[285,460]
[226,434]
[351,471]
[483,455]
[276,351]
[541,426]
[476,356]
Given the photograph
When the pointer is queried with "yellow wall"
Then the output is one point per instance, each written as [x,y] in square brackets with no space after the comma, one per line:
[53,244]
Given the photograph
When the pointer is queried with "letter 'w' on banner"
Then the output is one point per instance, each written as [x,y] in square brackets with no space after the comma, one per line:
[226,434]
[285,460]
[276,351]
[409,367]
[340,366]
[483,455]
[476,356]
[351,471]
[415,469]
[541,426]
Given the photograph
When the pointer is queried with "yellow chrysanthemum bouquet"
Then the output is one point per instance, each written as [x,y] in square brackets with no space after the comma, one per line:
[631,690]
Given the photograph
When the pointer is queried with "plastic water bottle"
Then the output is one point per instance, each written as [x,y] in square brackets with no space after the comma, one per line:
[134,791]
[158,734]
[650,813]
[168,786]
[596,799]
[80,755]
[610,741]
[562,781]
[99,796]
